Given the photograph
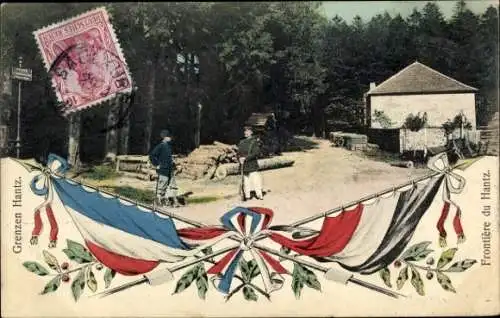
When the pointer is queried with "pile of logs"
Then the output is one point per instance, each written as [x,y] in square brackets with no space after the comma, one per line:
[214,161]
[203,161]
[349,140]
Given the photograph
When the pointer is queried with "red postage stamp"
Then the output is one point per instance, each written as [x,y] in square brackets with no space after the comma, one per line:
[85,61]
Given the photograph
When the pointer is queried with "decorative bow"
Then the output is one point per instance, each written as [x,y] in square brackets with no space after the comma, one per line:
[248,224]
[453,183]
[41,185]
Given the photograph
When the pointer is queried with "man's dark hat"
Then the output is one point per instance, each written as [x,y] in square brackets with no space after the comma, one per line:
[165,133]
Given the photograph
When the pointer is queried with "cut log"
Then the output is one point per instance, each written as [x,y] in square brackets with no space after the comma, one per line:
[403,164]
[222,157]
[201,161]
[139,176]
[131,167]
[133,158]
[264,164]
[210,172]
[221,172]
[223,145]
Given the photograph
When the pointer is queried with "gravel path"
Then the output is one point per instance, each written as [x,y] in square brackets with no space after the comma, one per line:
[321,179]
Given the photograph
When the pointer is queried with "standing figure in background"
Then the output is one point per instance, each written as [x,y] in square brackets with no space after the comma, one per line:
[161,158]
[172,189]
[248,152]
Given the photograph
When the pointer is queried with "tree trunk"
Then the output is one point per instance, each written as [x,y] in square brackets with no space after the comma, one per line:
[317,121]
[112,133]
[74,140]
[187,98]
[150,103]
[198,127]
[124,134]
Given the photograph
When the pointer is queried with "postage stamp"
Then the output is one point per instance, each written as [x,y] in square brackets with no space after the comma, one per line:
[84,59]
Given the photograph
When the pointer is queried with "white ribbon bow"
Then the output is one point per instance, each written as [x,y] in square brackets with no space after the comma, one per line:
[454,183]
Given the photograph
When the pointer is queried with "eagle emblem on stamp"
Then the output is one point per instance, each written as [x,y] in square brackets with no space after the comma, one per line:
[85,61]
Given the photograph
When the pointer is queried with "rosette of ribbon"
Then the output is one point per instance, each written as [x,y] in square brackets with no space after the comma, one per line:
[247,225]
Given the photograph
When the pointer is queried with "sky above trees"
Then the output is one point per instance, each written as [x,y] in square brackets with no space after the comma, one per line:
[367,9]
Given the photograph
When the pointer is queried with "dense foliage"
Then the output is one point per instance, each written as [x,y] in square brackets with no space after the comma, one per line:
[415,122]
[239,58]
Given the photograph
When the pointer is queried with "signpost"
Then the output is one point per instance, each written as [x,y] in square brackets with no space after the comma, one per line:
[21,74]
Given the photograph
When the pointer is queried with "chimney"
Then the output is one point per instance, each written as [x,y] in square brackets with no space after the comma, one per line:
[372,85]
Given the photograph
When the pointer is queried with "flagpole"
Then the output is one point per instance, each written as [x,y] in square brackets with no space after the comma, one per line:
[323,269]
[365,198]
[173,269]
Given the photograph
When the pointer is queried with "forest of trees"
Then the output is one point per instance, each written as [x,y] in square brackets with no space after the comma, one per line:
[235,59]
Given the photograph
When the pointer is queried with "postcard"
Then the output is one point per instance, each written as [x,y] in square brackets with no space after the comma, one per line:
[249,159]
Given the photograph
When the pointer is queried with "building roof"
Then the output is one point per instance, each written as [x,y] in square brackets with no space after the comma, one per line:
[258,119]
[418,78]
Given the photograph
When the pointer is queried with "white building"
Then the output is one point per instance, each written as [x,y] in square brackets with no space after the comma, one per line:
[418,89]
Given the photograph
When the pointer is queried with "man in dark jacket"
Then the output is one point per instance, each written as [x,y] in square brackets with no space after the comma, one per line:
[248,152]
[161,158]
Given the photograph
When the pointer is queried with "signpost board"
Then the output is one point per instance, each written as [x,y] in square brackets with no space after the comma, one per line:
[22,74]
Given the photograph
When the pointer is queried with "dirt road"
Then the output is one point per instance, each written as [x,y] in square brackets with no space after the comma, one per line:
[321,178]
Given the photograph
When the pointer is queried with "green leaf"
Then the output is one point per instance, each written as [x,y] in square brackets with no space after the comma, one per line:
[186,280]
[461,265]
[51,260]
[249,293]
[245,270]
[91,281]
[417,252]
[77,256]
[385,274]
[75,246]
[417,282]
[202,282]
[421,255]
[36,268]
[78,285]
[108,277]
[310,279]
[297,280]
[53,285]
[77,252]
[446,257]
[402,277]
[445,282]
[253,268]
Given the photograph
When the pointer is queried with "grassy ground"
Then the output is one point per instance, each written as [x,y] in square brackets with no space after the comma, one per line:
[100,173]
[104,176]
[147,196]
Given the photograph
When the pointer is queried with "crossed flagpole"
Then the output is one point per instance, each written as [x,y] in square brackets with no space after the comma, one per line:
[330,273]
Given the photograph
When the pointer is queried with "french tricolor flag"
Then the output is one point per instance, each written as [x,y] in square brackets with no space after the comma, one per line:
[123,236]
